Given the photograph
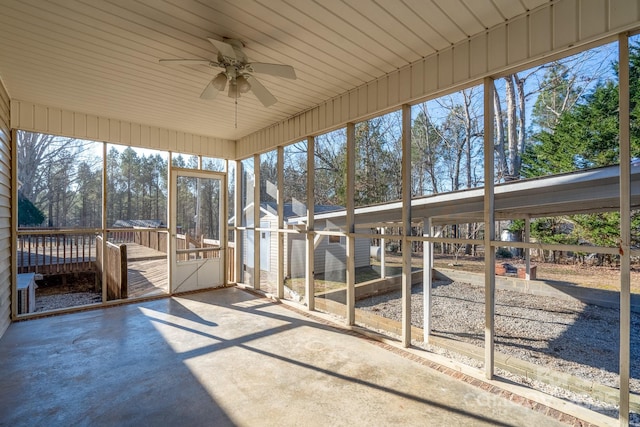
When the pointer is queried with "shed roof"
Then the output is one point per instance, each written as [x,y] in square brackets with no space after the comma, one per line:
[297,209]
[140,223]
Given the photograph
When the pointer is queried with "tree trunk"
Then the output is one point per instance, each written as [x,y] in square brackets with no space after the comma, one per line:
[499,135]
[512,132]
[467,132]
[521,125]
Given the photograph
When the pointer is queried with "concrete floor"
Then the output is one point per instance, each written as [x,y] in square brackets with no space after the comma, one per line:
[225,357]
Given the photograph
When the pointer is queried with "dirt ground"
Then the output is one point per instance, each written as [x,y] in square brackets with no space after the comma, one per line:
[66,283]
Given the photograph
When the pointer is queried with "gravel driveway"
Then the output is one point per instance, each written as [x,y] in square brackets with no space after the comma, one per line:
[569,336]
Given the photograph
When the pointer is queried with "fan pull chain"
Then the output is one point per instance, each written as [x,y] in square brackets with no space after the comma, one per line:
[236,112]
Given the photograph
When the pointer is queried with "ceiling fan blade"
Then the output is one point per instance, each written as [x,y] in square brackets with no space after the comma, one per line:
[187,62]
[261,92]
[278,70]
[224,48]
[209,91]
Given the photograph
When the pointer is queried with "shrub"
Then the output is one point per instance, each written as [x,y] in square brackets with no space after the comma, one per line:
[503,253]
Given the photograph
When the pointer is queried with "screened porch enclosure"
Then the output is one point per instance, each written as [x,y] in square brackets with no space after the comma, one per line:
[468,233]
[69,256]
[461,178]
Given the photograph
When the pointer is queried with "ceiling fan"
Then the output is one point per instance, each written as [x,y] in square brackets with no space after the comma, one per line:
[237,72]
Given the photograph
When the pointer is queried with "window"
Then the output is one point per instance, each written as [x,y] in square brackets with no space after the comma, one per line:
[336,240]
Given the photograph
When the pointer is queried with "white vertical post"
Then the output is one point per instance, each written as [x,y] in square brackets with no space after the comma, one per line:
[280,205]
[406,225]
[427,278]
[350,226]
[14,220]
[238,239]
[256,221]
[383,254]
[310,252]
[489,230]
[527,251]
[170,245]
[432,232]
[224,223]
[625,227]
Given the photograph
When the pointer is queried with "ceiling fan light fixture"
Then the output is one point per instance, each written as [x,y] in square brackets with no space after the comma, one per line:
[220,81]
[243,84]
[233,90]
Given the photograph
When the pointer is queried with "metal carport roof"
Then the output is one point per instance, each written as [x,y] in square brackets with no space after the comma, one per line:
[593,190]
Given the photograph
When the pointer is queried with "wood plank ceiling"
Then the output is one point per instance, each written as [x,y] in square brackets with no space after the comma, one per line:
[101,56]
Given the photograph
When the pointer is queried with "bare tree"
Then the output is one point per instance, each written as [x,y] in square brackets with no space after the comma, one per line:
[37,152]
[501,158]
[48,173]
[425,153]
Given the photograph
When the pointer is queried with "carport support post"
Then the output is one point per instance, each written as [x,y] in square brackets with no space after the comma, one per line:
[383,255]
[350,249]
[489,230]
[406,225]
[625,226]
[280,233]
[527,251]
[309,284]
[427,275]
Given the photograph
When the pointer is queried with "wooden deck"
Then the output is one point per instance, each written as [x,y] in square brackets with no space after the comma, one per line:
[148,278]
[147,271]
[146,267]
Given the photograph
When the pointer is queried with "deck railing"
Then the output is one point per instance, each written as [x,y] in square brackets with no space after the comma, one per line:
[188,247]
[154,239]
[55,251]
[116,268]
[231,270]
[47,251]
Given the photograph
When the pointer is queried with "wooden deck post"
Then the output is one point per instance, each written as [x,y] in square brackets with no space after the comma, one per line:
[116,271]
[124,282]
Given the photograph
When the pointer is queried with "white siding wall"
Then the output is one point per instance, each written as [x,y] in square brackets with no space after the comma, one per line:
[550,29]
[295,255]
[327,256]
[273,251]
[272,275]
[271,222]
[363,252]
[5,211]
[38,118]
